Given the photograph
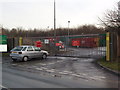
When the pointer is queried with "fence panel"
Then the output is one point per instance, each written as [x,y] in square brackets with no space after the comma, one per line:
[93,45]
[10,44]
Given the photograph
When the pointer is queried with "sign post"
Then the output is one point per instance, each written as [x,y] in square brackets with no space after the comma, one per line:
[76,43]
[3,43]
[46,41]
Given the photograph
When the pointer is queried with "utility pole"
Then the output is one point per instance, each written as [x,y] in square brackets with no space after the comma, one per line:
[55,28]
[54,19]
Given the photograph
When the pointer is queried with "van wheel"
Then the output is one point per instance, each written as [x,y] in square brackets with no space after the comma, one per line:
[44,56]
[25,58]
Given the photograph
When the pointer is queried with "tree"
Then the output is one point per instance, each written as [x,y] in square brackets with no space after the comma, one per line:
[111,19]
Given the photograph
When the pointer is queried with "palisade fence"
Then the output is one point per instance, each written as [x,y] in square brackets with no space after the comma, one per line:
[85,46]
[11,43]
[92,45]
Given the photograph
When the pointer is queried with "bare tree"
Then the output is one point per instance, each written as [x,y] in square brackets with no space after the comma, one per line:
[112,19]
[20,32]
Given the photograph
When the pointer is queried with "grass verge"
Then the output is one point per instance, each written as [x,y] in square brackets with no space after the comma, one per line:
[5,54]
[114,65]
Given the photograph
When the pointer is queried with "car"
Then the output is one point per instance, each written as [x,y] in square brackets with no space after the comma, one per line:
[25,53]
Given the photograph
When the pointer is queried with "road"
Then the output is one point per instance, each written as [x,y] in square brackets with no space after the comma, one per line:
[56,72]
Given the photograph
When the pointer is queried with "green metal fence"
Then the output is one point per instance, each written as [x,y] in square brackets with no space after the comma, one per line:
[94,45]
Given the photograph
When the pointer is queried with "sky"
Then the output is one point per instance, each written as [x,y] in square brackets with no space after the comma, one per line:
[40,13]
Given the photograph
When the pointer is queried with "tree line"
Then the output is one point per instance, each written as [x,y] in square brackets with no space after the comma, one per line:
[19,32]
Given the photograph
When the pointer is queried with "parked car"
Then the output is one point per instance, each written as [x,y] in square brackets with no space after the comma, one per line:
[24,53]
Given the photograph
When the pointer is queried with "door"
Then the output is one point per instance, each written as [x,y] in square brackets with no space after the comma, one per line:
[30,52]
[38,52]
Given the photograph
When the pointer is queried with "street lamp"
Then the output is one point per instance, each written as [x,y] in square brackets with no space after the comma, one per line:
[68,28]
[48,30]
[68,31]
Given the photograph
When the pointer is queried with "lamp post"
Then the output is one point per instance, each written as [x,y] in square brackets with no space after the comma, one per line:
[48,30]
[68,31]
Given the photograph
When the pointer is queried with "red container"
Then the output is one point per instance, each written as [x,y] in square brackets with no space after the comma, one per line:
[84,42]
[88,42]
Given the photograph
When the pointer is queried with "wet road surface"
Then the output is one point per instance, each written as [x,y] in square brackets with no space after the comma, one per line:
[57,72]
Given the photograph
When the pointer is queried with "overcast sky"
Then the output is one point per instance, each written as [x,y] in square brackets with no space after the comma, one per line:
[40,13]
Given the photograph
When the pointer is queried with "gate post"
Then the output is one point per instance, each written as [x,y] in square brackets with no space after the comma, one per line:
[20,41]
[107,46]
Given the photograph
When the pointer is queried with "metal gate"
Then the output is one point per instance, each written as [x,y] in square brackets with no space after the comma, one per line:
[91,45]
[10,43]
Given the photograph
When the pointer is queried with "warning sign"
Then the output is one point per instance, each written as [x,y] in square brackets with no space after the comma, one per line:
[75,43]
[58,44]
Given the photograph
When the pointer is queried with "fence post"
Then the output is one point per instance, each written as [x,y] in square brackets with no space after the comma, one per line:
[20,41]
[107,46]
[112,46]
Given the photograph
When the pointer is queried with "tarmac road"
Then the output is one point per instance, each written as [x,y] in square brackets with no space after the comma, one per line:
[56,72]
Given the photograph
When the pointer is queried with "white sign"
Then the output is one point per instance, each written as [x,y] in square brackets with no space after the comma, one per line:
[3,48]
[46,41]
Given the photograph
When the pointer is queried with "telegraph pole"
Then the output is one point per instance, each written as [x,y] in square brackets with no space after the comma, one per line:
[54,19]
[55,28]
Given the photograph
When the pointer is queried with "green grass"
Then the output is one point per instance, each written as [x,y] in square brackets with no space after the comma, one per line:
[114,65]
[5,54]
